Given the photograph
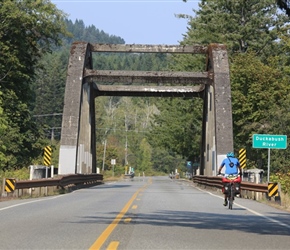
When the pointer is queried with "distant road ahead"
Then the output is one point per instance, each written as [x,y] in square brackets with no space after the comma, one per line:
[143,213]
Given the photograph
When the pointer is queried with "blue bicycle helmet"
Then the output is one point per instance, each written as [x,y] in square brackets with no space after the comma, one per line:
[230,154]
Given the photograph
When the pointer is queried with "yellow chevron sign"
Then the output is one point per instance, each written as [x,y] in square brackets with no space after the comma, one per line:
[10,185]
[273,189]
[47,156]
[242,157]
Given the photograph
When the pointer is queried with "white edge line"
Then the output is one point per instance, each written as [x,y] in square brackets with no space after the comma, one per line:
[24,203]
[251,211]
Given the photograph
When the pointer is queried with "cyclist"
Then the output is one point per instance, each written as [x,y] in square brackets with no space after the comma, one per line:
[232,165]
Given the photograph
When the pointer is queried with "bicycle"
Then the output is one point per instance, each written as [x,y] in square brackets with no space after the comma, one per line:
[231,187]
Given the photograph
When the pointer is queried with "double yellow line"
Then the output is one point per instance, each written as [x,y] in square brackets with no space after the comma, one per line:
[104,236]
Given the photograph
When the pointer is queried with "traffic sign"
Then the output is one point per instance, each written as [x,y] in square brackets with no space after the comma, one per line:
[10,185]
[47,155]
[269,141]
[242,157]
[189,164]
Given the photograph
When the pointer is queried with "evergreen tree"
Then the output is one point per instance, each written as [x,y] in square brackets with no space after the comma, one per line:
[243,26]
[144,162]
[28,29]
[260,95]
[239,24]
[3,127]
[178,127]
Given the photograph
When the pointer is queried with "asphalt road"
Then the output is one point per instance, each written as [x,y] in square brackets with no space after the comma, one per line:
[143,213]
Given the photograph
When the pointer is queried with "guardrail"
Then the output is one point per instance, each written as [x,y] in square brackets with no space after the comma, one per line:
[216,181]
[45,186]
[74,179]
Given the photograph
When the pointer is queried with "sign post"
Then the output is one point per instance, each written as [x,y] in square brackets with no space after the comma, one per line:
[269,142]
[113,163]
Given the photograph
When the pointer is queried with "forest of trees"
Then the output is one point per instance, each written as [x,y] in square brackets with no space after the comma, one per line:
[159,134]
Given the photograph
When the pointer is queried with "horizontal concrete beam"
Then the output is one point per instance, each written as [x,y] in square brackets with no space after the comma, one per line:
[147,77]
[141,48]
[156,91]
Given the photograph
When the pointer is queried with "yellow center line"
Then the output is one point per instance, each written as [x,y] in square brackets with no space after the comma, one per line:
[113,245]
[103,237]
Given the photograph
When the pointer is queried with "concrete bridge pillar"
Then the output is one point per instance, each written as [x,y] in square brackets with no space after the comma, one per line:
[218,122]
[77,150]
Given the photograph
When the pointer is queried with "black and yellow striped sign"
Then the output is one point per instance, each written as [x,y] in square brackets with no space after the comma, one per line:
[242,157]
[47,156]
[10,185]
[273,189]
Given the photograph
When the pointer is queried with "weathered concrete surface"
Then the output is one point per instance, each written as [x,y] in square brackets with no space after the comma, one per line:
[157,77]
[142,91]
[75,154]
[77,151]
[218,137]
[147,48]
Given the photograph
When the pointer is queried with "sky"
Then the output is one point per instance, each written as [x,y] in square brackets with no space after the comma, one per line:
[136,21]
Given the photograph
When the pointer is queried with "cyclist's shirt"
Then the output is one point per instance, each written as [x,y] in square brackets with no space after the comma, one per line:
[231,170]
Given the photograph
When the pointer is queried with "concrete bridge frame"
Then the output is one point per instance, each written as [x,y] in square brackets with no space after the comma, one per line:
[78,146]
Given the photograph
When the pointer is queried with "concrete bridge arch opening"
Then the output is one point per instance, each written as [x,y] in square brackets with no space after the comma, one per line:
[78,138]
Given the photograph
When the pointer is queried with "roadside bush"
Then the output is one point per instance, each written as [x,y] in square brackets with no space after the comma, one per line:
[283,179]
[19,174]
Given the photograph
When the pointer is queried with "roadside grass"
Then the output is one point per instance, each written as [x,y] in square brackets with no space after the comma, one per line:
[18,174]
[285,201]
[282,203]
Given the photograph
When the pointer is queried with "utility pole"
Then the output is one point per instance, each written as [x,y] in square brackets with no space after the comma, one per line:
[126,143]
[104,155]
[126,151]
[52,135]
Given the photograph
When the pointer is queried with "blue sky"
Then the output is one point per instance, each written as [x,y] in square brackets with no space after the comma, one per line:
[136,21]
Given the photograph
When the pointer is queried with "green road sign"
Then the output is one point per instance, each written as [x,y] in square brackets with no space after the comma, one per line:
[270,141]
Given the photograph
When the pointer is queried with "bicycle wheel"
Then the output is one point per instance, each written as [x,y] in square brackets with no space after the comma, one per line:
[231,197]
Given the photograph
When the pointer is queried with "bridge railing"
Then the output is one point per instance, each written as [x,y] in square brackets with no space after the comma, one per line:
[216,181]
[16,188]
[73,179]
